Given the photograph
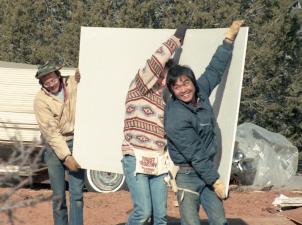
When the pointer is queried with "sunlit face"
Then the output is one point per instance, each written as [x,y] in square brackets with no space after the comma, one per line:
[51,82]
[184,89]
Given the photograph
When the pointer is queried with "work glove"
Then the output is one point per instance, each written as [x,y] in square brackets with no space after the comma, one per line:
[71,163]
[219,189]
[170,178]
[77,76]
[180,33]
[233,30]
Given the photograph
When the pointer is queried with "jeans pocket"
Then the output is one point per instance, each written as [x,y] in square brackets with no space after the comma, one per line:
[46,155]
[190,181]
[128,162]
[186,170]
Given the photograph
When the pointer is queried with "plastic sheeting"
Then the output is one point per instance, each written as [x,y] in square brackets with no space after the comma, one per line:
[263,158]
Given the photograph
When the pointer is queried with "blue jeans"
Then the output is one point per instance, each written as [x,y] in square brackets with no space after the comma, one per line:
[56,172]
[189,203]
[148,193]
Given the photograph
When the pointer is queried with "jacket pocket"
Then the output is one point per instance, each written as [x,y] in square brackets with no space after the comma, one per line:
[204,130]
[204,124]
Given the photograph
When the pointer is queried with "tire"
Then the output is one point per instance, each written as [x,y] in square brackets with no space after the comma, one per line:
[101,181]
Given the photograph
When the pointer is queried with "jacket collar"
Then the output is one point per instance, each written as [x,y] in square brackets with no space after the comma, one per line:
[64,85]
[200,104]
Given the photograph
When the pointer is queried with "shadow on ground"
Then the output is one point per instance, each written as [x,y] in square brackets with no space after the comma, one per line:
[175,221]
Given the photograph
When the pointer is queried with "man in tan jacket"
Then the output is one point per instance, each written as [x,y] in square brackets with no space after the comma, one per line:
[54,107]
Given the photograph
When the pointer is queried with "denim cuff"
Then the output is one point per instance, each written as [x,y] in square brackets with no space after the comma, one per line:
[227,45]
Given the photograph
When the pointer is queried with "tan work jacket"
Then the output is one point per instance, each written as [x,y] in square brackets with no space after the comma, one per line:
[56,118]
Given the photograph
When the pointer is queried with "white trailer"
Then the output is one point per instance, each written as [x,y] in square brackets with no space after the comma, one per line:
[19,129]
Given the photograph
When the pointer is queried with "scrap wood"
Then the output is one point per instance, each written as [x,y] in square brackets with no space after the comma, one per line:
[294,214]
[284,201]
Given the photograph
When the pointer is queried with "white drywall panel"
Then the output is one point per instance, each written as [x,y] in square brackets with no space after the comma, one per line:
[109,60]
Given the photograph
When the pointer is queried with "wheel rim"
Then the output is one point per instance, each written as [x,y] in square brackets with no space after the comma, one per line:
[105,181]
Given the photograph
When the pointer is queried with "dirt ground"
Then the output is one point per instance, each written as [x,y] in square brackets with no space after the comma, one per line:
[242,208]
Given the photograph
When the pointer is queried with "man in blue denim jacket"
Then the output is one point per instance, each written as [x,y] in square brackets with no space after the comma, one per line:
[192,142]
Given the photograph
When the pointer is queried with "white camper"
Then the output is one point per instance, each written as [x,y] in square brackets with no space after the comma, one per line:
[19,129]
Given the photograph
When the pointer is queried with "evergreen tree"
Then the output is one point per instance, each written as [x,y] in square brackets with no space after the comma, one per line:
[35,31]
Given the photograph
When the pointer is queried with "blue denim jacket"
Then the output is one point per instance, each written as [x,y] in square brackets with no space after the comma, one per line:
[190,129]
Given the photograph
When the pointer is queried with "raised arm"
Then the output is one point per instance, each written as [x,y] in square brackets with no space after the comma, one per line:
[220,60]
[148,76]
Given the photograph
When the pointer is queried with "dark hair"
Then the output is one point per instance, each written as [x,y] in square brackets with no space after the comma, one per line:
[175,72]
[170,63]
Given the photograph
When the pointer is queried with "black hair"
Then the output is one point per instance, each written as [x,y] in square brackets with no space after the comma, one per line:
[177,71]
[170,63]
